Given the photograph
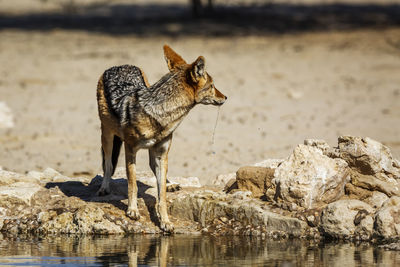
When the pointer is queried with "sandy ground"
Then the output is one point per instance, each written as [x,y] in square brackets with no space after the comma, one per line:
[281,88]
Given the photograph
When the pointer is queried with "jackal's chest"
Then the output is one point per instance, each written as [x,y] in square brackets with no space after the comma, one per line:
[147,143]
[146,134]
[163,133]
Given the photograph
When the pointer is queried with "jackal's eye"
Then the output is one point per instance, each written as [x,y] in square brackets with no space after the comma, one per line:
[207,87]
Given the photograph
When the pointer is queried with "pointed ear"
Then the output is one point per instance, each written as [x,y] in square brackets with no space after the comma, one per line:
[198,69]
[173,59]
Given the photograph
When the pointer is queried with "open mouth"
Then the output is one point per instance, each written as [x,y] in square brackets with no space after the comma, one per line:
[218,103]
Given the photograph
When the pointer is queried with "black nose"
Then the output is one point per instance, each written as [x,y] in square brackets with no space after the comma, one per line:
[226,97]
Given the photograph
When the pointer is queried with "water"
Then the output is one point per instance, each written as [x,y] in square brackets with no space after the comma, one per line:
[215,128]
[184,250]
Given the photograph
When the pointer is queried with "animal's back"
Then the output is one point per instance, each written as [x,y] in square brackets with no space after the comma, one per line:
[121,84]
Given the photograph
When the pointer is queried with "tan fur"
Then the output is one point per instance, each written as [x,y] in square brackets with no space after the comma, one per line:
[173,59]
[145,78]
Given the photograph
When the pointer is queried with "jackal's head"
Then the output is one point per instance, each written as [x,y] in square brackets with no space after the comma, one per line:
[196,77]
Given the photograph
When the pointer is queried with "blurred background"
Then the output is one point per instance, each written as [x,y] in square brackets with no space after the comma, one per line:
[291,70]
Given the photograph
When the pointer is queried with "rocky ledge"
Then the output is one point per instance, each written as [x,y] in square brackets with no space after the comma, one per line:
[351,191]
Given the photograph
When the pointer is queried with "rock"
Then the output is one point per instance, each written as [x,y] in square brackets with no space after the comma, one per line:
[3,212]
[68,208]
[63,179]
[223,179]
[91,219]
[35,175]
[373,167]
[387,219]
[45,216]
[312,220]
[377,199]
[59,214]
[50,203]
[269,163]
[247,214]
[61,224]
[185,182]
[231,185]
[363,229]
[7,178]
[367,156]
[318,143]
[292,207]
[242,194]
[224,219]
[309,178]
[147,184]
[347,218]
[270,195]
[373,198]
[396,163]
[17,193]
[356,192]
[148,178]
[254,179]
[50,173]
[391,246]
[6,118]
[389,186]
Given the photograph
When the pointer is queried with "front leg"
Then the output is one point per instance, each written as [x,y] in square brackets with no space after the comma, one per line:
[130,162]
[159,164]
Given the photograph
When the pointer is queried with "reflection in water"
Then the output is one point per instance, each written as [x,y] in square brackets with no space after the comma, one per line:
[186,250]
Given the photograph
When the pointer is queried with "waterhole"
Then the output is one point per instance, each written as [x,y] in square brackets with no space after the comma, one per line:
[187,250]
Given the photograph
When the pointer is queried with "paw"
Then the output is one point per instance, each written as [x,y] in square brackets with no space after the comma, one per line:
[172,187]
[133,214]
[103,191]
[167,227]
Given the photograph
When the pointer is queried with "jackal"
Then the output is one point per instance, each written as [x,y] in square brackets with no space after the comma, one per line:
[144,116]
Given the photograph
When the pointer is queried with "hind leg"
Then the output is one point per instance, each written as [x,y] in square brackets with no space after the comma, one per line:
[107,147]
[130,162]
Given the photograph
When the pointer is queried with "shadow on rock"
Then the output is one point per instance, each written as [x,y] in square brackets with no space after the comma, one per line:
[119,192]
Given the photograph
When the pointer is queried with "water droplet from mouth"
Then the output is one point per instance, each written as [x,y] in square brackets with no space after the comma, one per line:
[213,136]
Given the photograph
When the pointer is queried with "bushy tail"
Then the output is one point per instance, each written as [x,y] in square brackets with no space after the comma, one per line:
[117,142]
